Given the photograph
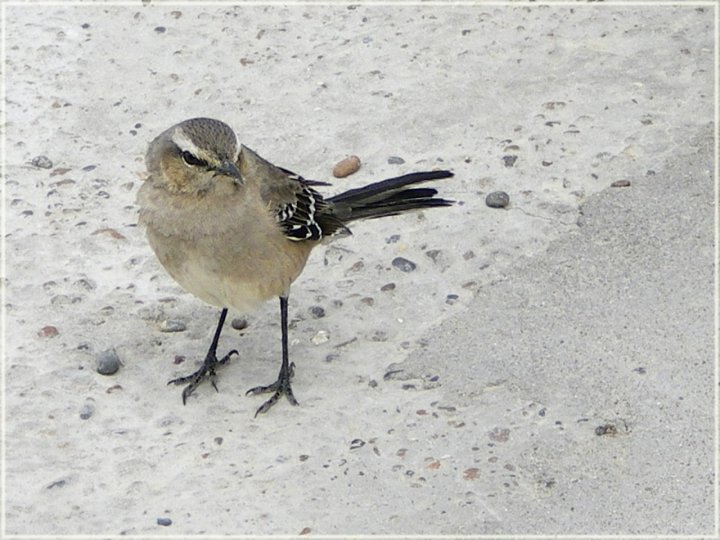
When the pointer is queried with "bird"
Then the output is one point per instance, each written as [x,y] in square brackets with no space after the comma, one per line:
[236,231]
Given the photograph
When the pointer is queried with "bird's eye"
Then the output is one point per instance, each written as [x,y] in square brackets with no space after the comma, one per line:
[191,160]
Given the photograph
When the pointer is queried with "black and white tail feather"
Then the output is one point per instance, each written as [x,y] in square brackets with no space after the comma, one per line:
[311,217]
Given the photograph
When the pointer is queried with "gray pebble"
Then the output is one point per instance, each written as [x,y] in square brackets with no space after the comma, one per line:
[107,362]
[403,264]
[165,522]
[87,411]
[395,160]
[509,161]
[239,323]
[392,239]
[388,287]
[620,183]
[85,283]
[497,199]
[451,299]
[42,162]
[172,325]
[356,443]
[317,312]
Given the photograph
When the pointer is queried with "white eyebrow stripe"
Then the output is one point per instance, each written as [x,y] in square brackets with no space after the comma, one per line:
[237,147]
[184,143]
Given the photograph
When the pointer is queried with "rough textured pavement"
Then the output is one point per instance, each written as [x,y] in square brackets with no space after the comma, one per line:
[528,376]
[591,369]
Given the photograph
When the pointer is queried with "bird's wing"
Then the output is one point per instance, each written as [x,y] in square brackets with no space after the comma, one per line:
[302,213]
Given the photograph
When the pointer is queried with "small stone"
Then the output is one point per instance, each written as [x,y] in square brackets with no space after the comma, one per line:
[368,300]
[403,264]
[107,362]
[85,283]
[606,429]
[620,183]
[48,331]
[509,161]
[392,239]
[41,162]
[160,29]
[87,410]
[239,323]
[451,299]
[165,522]
[321,337]
[346,167]
[357,267]
[356,443]
[372,383]
[497,199]
[388,287]
[395,160]
[317,312]
[468,255]
[499,434]
[172,325]
[218,440]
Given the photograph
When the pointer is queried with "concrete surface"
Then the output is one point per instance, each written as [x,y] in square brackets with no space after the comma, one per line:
[465,400]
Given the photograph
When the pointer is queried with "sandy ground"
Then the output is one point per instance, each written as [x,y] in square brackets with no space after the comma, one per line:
[545,369]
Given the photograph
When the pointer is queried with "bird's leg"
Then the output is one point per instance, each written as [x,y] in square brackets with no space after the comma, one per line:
[207,370]
[282,385]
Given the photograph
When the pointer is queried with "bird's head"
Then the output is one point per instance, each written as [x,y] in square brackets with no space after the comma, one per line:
[191,156]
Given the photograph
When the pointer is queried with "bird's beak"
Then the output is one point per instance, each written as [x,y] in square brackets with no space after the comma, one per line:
[228,168]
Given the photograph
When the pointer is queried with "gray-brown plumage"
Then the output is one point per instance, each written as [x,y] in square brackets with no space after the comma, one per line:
[235,230]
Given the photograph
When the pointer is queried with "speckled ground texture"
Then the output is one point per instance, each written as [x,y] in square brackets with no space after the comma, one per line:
[546,368]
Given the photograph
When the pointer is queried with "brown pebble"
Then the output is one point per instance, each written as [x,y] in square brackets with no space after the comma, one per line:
[469,255]
[368,300]
[48,331]
[620,183]
[346,167]
[388,287]
[111,232]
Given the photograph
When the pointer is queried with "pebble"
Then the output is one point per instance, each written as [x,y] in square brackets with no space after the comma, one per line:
[87,410]
[172,325]
[392,239]
[317,312]
[451,299]
[509,161]
[388,287]
[403,264]
[165,522]
[321,337]
[48,331]
[620,183]
[395,160]
[346,167]
[497,199]
[107,362]
[41,162]
[356,443]
[239,323]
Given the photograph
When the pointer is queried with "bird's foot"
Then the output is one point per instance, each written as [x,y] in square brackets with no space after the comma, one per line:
[206,371]
[279,388]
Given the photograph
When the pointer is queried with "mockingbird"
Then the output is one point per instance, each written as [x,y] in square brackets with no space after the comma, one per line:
[235,230]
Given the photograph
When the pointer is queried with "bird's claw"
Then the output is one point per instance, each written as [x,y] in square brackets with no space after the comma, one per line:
[281,387]
[206,371]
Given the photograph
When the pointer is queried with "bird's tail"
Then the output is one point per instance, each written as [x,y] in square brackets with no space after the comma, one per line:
[389,197]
